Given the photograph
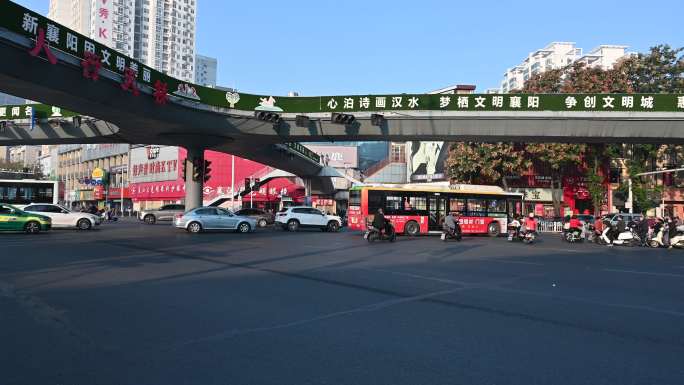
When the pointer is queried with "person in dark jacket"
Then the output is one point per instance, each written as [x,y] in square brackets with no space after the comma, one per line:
[379,221]
[672,231]
[666,232]
[642,229]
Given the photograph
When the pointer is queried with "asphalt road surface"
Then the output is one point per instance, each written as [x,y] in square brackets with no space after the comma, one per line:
[134,304]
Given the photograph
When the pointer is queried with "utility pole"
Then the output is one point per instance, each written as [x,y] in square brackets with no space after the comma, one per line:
[232,182]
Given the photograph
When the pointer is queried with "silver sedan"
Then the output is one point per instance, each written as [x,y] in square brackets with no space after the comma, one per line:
[213,218]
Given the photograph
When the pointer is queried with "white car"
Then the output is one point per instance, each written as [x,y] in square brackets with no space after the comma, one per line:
[64,218]
[294,217]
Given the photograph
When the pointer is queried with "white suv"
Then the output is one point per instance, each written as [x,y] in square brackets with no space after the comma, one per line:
[62,217]
[294,217]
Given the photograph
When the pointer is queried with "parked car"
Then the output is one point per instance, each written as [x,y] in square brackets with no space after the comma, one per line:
[294,217]
[164,213]
[214,218]
[15,219]
[262,217]
[64,218]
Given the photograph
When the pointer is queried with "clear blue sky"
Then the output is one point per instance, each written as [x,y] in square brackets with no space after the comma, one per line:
[322,47]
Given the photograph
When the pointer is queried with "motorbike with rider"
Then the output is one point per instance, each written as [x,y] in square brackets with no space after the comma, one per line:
[451,229]
[525,230]
[380,229]
[573,230]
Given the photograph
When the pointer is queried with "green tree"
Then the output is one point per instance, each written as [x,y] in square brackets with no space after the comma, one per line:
[485,163]
[661,70]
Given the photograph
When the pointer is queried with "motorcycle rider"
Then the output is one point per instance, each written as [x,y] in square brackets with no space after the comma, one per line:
[608,231]
[620,227]
[530,223]
[574,225]
[513,227]
[672,231]
[450,223]
[642,230]
[380,223]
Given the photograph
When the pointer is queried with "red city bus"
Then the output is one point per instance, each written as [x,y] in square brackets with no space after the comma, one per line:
[418,209]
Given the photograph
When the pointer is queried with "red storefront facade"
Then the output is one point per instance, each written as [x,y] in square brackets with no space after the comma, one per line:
[156,179]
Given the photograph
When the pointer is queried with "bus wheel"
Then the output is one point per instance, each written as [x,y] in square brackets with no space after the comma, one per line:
[493,229]
[411,228]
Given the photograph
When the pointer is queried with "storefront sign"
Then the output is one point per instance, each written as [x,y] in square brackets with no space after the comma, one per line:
[536,194]
[98,193]
[154,164]
[98,175]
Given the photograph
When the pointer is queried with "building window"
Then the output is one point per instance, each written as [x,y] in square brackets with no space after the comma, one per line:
[397,153]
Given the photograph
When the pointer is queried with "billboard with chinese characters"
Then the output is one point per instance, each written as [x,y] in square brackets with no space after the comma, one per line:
[425,161]
[155,164]
[337,156]
[51,36]
[101,22]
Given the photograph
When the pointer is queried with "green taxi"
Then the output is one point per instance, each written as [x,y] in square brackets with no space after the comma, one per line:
[14,219]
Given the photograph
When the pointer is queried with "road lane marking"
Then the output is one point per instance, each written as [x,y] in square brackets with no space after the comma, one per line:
[585,300]
[516,262]
[645,273]
[366,308]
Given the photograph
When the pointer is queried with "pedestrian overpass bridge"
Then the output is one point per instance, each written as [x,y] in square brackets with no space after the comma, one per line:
[118,99]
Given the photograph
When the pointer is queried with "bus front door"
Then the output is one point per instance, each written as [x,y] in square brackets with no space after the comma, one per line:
[437,208]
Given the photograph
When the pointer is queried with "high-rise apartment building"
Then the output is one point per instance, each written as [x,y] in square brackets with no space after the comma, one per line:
[557,55]
[205,70]
[159,33]
[165,36]
[108,22]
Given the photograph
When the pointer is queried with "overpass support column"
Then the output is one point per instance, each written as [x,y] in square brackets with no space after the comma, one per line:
[307,192]
[194,178]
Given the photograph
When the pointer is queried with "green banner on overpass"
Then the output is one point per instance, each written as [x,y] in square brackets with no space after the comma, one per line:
[37,111]
[54,36]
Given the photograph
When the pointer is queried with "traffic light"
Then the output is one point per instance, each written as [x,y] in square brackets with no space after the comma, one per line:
[207,170]
[377,120]
[339,118]
[197,169]
[185,166]
[248,184]
[268,116]
[3,126]
[302,121]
